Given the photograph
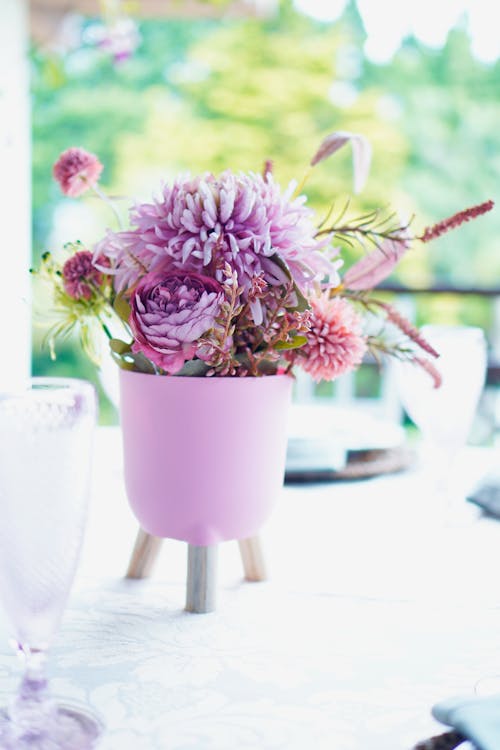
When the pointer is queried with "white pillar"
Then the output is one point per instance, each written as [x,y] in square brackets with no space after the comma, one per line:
[15,194]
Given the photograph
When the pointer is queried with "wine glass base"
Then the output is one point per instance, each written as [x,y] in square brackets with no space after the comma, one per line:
[66,727]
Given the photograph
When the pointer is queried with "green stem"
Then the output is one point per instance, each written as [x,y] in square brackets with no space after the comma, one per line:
[349,230]
[105,329]
[271,322]
[100,194]
[302,183]
[109,305]
[231,313]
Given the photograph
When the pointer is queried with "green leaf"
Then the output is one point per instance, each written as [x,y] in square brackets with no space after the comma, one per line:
[119,347]
[136,362]
[266,367]
[140,362]
[121,307]
[281,263]
[295,343]
[122,364]
[193,368]
[302,303]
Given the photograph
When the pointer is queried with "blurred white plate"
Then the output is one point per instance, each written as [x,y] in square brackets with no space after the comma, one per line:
[349,429]
[314,455]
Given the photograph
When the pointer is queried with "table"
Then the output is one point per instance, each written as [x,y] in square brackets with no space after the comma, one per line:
[376,610]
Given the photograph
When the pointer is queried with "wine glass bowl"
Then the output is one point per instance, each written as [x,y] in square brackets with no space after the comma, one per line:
[45,447]
[444,415]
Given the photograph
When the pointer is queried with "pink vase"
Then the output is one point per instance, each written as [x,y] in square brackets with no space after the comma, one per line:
[204,457]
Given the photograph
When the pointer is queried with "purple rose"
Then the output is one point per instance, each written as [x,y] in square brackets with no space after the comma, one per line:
[170,312]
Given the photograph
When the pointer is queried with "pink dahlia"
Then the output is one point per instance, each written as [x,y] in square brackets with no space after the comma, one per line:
[170,312]
[80,276]
[335,342]
[199,224]
[76,171]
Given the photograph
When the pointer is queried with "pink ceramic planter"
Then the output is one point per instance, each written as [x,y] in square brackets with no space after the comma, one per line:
[204,457]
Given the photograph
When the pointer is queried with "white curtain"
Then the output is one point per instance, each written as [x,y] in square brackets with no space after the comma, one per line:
[15,195]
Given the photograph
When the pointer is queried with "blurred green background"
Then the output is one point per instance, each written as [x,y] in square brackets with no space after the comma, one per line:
[208,95]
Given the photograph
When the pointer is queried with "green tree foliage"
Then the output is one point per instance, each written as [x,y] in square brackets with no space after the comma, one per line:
[210,96]
[448,110]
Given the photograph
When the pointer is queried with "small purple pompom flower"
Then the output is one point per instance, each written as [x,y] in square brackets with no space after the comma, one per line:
[80,275]
[76,171]
[170,312]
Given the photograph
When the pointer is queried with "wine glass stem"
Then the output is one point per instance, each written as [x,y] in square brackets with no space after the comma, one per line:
[33,703]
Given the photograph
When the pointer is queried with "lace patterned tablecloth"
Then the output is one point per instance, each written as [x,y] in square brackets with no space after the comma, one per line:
[371,616]
[270,669]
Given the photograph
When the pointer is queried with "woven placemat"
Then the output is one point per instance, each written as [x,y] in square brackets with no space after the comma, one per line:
[446,741]
[360,465]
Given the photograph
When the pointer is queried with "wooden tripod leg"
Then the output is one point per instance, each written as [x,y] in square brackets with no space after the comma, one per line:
[201,579]
[253,559]
[144,556]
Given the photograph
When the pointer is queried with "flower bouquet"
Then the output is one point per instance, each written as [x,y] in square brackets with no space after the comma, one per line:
[231,276]
[221,287]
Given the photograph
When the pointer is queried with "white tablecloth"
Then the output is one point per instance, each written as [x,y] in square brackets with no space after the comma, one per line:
[378,607]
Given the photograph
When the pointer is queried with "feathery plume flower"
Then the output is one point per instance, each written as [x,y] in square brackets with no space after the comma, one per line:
[452,222]
[335,342]
[169,314]
[80,276]
[76,171]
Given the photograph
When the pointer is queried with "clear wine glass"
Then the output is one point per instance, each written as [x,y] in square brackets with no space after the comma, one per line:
[444,415]
[45,447]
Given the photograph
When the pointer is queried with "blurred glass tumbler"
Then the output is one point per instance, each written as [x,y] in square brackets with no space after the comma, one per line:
[46,434]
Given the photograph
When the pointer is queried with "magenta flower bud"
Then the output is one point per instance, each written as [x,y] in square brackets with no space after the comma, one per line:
[170,312]
[80,275]
[76,171]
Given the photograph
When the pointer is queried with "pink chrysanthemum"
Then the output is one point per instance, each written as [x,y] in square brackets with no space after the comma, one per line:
[76,171]
[201,223]
[80,275]
[335,342]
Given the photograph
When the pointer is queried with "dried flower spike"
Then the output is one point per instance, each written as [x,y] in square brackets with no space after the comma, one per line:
[452,222]
[409,330]
[430,369]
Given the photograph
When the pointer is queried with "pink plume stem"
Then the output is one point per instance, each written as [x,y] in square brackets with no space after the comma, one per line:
[404,325]
[452,222]
[429,368]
